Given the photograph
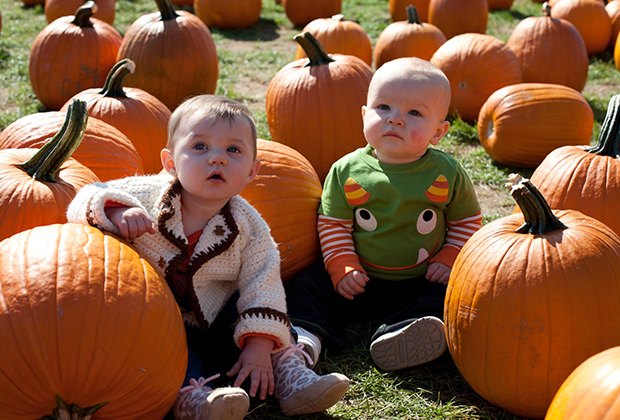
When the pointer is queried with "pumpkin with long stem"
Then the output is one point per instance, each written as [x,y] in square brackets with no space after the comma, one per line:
[37,185]
[530,297]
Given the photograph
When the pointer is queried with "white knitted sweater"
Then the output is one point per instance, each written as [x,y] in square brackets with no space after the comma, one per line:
[234,252]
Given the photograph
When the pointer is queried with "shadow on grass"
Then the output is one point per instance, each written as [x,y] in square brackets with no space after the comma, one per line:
[264,30]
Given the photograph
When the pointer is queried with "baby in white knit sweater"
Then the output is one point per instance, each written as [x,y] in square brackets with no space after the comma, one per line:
[218,257]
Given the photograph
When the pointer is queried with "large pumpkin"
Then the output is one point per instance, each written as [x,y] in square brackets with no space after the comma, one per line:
[455,17]
[104,149]
[287,192]
[37,185]
[530,297]
[592,391]
[85,320]
[476,66]
[591,20]
[301,12]
[521,124]
[136,113]
[550,50]
[314,104]
[54,9]
[231,14]
[174,52]
[71,54]
[587,178]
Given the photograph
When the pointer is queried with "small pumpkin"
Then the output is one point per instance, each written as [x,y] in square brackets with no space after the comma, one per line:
[71,54]
[613,10]
[229,14]
[298,113]
[287,192]
[592,391]
[90,326]
[136,113]
[407,38]
[301,12]
[37,185]
[476,66]
[591,20]
[521,124]
[54,9]
[455,17]
[530,297]
[398,9]
[586,178]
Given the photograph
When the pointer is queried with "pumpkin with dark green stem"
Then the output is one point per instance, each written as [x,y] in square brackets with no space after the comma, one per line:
[530,297]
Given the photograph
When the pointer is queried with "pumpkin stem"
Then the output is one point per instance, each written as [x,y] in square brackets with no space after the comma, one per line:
[412,15]
[546,9]
[539,219]
[113,85]
[166,10]
[72,411]
[84,13]
[313,49]
[609,137]
[338,18]
[46,163]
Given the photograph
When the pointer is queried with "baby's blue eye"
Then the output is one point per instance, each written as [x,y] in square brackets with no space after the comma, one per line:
[384,107]
[415,113]
[200,146]
[233,149]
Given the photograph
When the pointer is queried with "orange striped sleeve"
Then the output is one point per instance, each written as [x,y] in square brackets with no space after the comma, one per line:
[458,233]
[336,239]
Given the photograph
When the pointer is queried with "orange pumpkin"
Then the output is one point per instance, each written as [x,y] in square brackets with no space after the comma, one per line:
[37,185]
[476,65]
[287,192]
[301,12]
[500,4]
[230,14]
[300,116]
[58,8]
[550,50]
[613,11]
[104,149]
[136,113]
[592,391]
[521,124]
[407,38]
[71,54]
[586,178]
[530,297]
[455,17]
[398,9]
[90,324]
[591,20]
[339,36]
[174,52]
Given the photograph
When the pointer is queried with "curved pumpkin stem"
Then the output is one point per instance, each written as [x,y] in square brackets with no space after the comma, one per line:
[546,9]
[609,137]
[539,219]
[84,13]
[166,10]
[412,15]
[113,85]
[46,163]
[72,411]
[313,49]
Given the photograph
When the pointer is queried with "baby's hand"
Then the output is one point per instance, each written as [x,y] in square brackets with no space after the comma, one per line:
[352,284]
[438,273]
[255,362]
[131,221]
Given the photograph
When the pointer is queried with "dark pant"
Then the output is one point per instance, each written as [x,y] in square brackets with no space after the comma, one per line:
[314,304]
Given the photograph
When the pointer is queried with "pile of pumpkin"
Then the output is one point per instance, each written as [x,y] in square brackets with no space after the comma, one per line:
[531,296]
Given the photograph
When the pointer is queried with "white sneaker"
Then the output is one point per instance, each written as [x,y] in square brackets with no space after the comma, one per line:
[409,343]
[311,343]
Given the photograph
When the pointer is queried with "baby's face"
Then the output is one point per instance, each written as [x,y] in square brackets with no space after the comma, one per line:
[402,117]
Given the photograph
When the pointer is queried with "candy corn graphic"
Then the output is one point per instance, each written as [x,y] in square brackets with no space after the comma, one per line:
[355,194]
[438,191]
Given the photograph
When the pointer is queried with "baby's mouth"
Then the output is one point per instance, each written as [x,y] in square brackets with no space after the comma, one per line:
[215,177]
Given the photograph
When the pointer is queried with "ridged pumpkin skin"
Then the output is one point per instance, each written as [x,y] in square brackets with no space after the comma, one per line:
[104,149]
[519,125]
[550,50]
[230,14]
[476,65]
[287,192]
[407,38]
[523,310]
[174,52]
[338,35]
[58,8]
[68,56]
[302,12]
[136,113]
[586,178]
[88,320]
[590,19]
[591,392]
[316,108]
[398,9]
[455,17]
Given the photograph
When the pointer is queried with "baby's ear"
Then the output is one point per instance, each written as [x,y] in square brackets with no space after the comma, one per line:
[167,161]
[441,131]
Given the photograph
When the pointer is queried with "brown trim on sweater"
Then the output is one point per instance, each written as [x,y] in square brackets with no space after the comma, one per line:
[266,313]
